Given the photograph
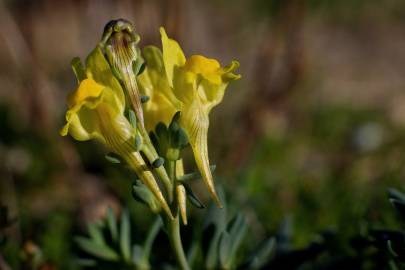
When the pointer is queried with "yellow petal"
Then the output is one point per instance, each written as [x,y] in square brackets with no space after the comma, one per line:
[86,105]
[195,121]
[64,130]
[228,74]
[185,86]
[207,68]
[84,124]
[87,89]
[210,94]
[173,56]
[153,82]
[80,119]
[211,91]
[98,69]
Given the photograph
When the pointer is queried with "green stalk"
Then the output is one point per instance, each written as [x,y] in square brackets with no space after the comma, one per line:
[173,225]
[173,230]
[151,155]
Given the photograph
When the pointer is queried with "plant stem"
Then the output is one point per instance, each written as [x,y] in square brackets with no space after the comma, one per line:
[173,230]
[173,225]
[151,154]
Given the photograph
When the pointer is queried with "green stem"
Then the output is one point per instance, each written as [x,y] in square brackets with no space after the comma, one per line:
[152,155]
[171,171]
[173,231]
[173,225]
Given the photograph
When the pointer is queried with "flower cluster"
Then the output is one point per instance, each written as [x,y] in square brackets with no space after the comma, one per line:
[107,105]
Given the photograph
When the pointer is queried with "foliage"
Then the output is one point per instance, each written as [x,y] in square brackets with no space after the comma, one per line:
[222,243]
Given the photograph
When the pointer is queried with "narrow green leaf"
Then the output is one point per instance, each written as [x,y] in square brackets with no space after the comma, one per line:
[225,243]
[143,195]
[215,218]
[141,254]
[193,253]
[284,234]
[96,234]
[113,158]
[140,193]
[211,258]
[393,265]
[395,194]
[153,232]
[125,236]
[194,200]
[100,251]
[391,249]
[238,226]
[137,254]
[237,231]
[112,224]
[194,175]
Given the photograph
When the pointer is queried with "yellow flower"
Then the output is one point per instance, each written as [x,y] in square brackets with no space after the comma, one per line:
[96,111]
[91,107]
[193,86]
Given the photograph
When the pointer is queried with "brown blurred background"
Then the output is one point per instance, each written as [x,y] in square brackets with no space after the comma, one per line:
[317,119]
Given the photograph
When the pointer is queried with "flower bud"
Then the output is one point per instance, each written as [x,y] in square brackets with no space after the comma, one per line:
[120,44]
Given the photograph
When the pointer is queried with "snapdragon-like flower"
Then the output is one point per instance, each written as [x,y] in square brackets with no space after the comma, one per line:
[192,86]
[96,111]
[120,45]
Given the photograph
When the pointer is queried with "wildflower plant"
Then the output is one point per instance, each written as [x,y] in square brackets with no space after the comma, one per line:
[145,106]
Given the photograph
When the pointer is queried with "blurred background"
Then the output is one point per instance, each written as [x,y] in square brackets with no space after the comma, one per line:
[313,132]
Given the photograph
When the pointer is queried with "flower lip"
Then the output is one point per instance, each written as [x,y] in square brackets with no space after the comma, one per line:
[87,90]
[201,64]
[209,69]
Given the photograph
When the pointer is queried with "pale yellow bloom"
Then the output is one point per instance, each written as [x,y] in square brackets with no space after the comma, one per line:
[96,111]
[193,86]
